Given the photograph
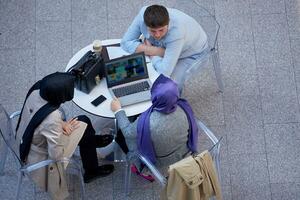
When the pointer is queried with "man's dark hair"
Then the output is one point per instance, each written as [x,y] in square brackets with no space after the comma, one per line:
[156,16]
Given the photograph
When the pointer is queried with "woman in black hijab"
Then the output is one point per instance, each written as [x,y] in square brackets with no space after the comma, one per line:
[45,135]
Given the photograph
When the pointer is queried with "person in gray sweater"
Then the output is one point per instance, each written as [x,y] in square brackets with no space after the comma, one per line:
[167,131]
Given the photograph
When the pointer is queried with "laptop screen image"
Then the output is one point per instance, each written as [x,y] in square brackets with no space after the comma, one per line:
[126,69]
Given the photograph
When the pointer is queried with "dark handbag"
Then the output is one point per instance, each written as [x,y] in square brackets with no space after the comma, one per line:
[88,71]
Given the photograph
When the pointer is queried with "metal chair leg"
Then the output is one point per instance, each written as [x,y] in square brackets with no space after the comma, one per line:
[217,161]
[119,155]
[19,185]
[127,178]
[217,69]
[82,185]
[35,191]
[3,157]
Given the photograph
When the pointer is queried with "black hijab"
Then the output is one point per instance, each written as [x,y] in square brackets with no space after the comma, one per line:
[56,89]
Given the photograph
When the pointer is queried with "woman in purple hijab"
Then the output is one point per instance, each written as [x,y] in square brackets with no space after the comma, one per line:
[167,131]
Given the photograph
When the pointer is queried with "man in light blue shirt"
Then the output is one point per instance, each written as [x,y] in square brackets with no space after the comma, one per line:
[173,40]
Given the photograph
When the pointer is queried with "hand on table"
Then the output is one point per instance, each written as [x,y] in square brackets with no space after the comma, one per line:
[115,105]
[70,125]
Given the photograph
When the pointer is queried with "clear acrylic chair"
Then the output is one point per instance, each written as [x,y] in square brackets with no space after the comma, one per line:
[211,26]
[11,142]
[213,148]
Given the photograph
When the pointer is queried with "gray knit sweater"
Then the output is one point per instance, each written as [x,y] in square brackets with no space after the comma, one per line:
[169,134]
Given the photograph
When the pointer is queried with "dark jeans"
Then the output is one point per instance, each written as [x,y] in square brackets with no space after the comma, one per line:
[87,146]
[120,139]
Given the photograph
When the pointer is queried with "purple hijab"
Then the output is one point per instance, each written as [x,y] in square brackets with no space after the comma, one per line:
[165,99]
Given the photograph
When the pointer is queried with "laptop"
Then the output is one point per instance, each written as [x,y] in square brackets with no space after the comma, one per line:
[127,79]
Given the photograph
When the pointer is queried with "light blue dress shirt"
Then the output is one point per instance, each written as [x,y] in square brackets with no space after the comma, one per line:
[185,39]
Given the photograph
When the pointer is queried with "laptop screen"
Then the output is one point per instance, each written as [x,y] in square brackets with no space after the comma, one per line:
[126,69]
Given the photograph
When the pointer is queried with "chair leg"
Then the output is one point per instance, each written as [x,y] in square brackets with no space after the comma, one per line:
[217,69]
[82,185]
[19,185]
[219,168]
[35,191]
[3,157]
[119,155]
[217,161]
[127,178]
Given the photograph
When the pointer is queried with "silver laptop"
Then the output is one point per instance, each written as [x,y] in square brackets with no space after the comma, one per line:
[127,79]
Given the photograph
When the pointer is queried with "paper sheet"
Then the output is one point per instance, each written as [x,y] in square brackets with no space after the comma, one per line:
[116,52]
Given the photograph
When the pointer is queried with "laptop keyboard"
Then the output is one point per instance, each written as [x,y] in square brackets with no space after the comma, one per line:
[131,89]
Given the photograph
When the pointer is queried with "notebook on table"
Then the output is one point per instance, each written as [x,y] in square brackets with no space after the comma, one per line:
[127,79]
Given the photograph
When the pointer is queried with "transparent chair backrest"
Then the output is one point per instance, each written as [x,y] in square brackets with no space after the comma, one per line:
[204,14]
[208,141]
[8,133]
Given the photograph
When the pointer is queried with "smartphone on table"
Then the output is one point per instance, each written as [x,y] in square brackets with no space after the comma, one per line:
[98,100]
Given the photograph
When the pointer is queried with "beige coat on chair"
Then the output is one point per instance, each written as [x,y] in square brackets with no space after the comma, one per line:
[192,179]
[49,142]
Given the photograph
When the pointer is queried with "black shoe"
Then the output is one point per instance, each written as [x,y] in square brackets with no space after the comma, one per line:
[103,140]
[101,171]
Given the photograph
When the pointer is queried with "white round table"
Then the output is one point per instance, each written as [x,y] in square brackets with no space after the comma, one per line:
[84,100]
